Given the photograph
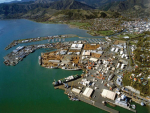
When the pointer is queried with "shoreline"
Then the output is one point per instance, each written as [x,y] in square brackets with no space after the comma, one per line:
[70,25]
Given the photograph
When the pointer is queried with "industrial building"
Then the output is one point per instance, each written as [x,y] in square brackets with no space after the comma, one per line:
[108,94]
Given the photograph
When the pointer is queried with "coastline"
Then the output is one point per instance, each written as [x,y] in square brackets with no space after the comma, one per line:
[72,26]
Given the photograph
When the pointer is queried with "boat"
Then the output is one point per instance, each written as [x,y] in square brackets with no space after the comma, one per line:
[133,106]
[71,69]
[142,104]
[74,99]
[40,62]
[53,67]
[32,50]
[55,83]
[65,80]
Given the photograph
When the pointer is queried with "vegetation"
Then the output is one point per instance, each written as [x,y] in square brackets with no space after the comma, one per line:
[106,33]
[80,25]
[138,77]
[79,14]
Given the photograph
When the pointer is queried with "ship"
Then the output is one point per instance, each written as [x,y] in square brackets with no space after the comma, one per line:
[73,98]
[40,62]
[65,80]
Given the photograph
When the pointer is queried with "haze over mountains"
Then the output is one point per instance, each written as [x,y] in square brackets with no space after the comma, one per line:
[16,8]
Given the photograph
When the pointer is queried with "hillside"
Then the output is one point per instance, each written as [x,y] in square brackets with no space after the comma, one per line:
[69,4]
[98,3]
[76,14]
[17,10]
[130,7]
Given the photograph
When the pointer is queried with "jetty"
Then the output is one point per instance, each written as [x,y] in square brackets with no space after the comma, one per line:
[96,102]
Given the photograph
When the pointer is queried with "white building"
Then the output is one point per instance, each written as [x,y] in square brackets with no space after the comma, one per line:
[88,92]
[108,94]
[76,46]
[75,90]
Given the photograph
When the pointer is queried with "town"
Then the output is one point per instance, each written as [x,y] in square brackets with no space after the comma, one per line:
[115,69]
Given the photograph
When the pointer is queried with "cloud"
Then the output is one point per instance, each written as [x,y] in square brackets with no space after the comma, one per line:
[2,1]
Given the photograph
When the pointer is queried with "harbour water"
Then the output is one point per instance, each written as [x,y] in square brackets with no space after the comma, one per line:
[27,87]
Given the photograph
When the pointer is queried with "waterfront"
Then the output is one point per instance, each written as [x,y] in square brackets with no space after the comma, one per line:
[27,87]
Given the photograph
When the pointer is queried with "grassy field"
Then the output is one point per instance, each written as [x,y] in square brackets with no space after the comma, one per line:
[105,33]
[78,24]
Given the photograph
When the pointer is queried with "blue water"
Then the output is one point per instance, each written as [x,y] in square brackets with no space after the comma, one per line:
[27,87]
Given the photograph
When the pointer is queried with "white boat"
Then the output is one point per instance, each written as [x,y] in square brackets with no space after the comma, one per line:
[142,104]
[133,106]
[72,69]
[40,62]
[53,67]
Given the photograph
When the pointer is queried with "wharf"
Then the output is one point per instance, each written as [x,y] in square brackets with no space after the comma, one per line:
[28,40]
[14,57]
[94,102]
[122,106]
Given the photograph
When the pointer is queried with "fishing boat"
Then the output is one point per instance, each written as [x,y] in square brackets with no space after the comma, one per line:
[40,62]
[71,69]
[142,104]
[74,99]
[52,67]
[133,106]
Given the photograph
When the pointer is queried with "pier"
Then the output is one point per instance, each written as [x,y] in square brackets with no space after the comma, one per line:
[94,102]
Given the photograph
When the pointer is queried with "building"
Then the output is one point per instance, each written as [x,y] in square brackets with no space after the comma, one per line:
[94,59]
[75,90]
[76,46]
[86,53]
[108,94]
[88,92]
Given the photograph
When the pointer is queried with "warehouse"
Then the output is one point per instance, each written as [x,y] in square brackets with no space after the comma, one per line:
[88,92]
[86,53]
[76,46]
[94,59]
[75,90]
[108,94]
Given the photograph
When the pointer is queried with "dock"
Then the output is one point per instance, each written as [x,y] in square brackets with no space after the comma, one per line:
[94,102]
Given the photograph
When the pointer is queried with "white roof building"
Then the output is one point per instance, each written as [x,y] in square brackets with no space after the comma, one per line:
[75,90]
[76,46]
[88,91]
[94,59]
[108,94]
[86,53]
[126,37]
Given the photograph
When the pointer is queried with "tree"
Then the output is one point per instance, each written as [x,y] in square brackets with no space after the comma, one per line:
[103,15]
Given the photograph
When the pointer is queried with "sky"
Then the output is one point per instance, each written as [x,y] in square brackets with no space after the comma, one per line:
[2,1]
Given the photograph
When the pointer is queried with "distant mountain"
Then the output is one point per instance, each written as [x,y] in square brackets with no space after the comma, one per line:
[127,5]
[45,1]
[98,3]
[65,4]
[70,4]
[18,9]
[16,1]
